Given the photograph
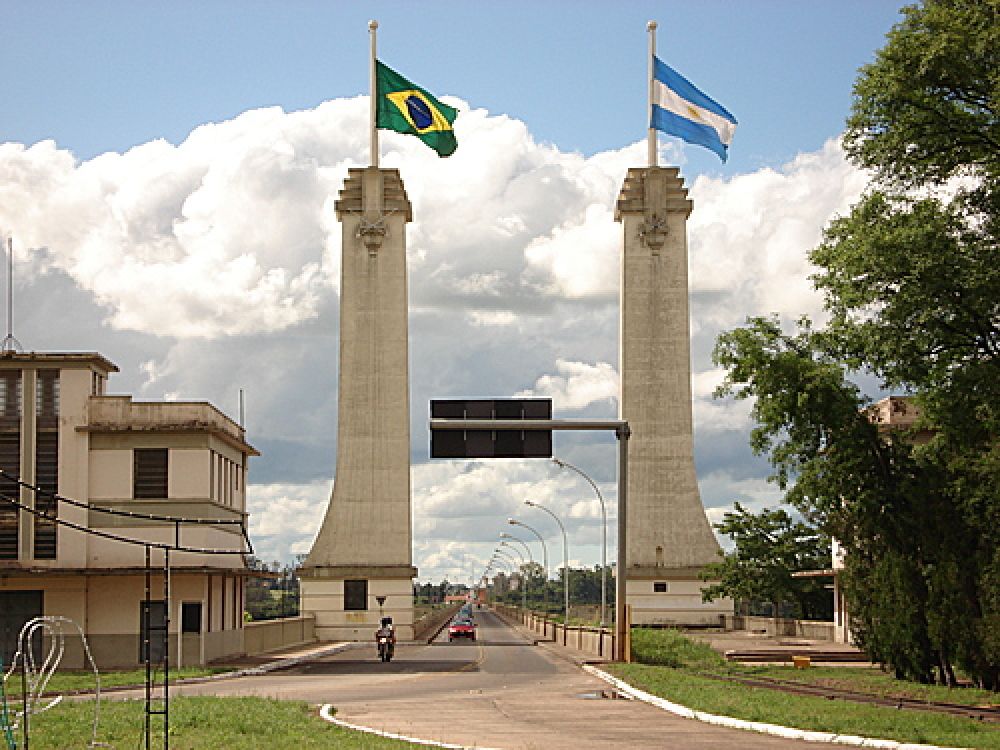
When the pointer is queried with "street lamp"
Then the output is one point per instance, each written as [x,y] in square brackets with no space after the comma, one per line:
[506,557]
[523,581]
[509,559]
[565,555]
[527,549]
[545,553]
[513,549]
[545,556]
[604,535]
[500,557]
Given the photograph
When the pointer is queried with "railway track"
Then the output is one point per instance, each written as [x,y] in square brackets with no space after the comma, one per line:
[990,714]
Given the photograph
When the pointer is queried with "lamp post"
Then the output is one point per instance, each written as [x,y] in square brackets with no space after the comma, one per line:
[565,556]
[500,557]
[523,581]
[506,557]
[604,535]
[541,539]
[545,553]
[527,551]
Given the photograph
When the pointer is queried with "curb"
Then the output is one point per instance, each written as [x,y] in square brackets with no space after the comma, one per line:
[776,730]
[325,713]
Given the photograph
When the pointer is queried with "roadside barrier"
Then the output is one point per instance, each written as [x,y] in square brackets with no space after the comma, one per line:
[599,642]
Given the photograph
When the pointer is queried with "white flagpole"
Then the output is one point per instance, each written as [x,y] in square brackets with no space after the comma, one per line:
[651,139]
[372,26]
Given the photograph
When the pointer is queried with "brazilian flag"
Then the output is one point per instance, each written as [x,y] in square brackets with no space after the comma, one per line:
[407,108]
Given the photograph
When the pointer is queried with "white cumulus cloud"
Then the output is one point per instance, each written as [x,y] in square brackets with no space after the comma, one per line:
[213,265]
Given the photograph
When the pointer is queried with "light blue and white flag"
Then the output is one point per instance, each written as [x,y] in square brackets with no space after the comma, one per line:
[681,109]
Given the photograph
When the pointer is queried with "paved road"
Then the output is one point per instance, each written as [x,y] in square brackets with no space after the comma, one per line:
[501,691]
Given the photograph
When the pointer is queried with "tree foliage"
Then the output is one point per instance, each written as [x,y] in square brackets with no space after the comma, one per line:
[926,109]
[911,279]
[770,546]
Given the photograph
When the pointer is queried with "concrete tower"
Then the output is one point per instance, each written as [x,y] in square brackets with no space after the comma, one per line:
[363,550]
[669,538]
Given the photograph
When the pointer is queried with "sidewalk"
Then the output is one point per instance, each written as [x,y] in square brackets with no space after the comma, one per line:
[740,645]
[285,657]
[735,645]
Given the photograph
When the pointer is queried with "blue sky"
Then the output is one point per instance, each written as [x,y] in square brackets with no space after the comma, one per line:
[167,172]
[100,76]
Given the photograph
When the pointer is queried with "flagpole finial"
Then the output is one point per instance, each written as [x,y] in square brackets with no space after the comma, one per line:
[651,26]
[372,25]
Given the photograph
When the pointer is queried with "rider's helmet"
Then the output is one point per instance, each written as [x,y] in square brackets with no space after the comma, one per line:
[386,622]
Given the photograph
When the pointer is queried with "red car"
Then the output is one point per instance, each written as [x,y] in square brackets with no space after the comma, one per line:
[462,629]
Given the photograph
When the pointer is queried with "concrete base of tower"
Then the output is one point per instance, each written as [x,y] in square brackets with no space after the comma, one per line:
[348,609]
[672,596]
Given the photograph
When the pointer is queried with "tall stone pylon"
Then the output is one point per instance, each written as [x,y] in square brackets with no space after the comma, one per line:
[363,551]
[669,537]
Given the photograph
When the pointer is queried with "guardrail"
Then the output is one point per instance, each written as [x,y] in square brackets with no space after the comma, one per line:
[597,641]
[272,635]
[428,626]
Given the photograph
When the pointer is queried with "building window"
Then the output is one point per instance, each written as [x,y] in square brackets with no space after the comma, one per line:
[191,617]
[47,481]
[10,395]
[47,396]
[149,477]
[659,587]
[10,460]
[356,595]
[46,462]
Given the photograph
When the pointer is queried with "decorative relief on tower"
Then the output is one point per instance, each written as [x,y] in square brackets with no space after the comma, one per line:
[653,233]
[372,233]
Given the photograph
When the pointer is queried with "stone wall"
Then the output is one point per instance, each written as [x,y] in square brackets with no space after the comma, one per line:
[272,635]
[597,641]
[782,626]
[427,626]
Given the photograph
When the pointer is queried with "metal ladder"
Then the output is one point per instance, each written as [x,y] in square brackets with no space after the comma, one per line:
[161,629]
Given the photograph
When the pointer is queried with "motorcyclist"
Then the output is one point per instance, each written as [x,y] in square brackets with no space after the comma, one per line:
[386,630]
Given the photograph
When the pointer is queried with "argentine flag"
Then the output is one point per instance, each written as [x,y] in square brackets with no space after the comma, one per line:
[681,109]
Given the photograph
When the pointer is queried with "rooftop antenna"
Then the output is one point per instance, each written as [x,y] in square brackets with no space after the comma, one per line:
[243,423]
[10,344]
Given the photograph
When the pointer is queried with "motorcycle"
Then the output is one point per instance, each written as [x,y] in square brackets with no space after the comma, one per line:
[385,648]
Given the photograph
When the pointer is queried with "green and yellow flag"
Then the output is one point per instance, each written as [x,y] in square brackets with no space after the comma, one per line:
[407,108]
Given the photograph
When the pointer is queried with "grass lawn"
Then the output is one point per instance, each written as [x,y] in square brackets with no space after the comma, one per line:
[873,681]
[202,723]
[71,680]
[674,668]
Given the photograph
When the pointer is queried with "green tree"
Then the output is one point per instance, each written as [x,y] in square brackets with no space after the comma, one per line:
[858,485]
[770,547]
[911,280]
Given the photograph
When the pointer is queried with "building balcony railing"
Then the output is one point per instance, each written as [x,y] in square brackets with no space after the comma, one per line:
[122,414]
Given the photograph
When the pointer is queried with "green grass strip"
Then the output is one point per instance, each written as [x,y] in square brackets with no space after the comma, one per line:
[203,723]
[872,681]
[806,712]
[72,681]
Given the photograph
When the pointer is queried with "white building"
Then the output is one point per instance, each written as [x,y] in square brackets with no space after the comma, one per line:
[61,433]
